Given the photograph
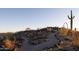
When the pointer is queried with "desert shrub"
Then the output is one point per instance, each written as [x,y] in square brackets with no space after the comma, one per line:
[75,42]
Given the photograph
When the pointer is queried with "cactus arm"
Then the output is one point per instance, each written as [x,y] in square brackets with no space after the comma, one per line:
[69,17]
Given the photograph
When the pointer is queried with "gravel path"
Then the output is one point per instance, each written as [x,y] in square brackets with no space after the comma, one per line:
[50,43]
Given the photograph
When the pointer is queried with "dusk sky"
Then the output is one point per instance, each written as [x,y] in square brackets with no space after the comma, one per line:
[17,19]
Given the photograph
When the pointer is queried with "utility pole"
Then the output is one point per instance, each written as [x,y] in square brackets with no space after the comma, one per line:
[71,17]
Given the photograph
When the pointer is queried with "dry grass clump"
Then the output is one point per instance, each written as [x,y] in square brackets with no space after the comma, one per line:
[63,31]
[7,43]
[74,36]
[75,41]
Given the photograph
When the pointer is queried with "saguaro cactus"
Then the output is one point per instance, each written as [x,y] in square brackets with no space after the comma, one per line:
[71,17]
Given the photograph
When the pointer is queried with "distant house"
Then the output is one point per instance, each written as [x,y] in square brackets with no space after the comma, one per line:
[49,29]
[28,29]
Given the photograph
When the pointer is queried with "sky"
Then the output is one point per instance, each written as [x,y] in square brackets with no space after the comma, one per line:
[17,19]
